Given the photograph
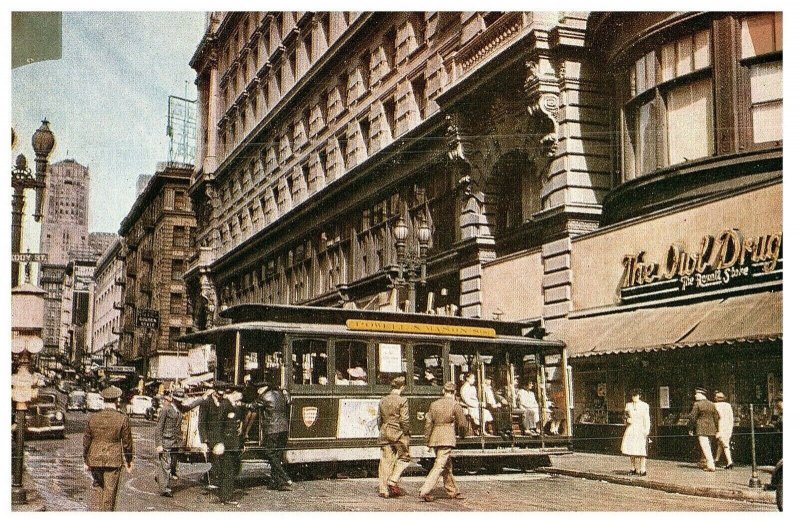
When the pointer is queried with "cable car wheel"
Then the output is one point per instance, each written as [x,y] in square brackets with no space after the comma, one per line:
[468,465]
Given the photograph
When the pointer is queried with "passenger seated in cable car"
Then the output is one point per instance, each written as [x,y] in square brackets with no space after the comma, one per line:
[358,376]
[339,379]
[469,397]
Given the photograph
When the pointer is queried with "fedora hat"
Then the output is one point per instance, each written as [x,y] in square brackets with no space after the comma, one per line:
[449,387]
[701,390]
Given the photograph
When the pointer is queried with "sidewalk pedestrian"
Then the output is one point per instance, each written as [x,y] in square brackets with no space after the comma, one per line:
[273,407]
[637,431]
[725,430]
[107,446]
[444,417]
[394,424]
[704,423]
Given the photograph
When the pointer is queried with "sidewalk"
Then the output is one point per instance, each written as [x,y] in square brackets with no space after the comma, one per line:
[34,501]
[669,476]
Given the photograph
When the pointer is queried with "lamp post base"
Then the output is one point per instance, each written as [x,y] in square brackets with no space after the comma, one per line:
[19,496]
[755,482]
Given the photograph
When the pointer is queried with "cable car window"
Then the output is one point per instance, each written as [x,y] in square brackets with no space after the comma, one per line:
[309,362]
[273,368]
[351,363]
[391,362]
[428,368]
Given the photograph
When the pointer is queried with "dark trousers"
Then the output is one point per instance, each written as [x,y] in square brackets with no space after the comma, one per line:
[228,471]
[106,484]
[274,446]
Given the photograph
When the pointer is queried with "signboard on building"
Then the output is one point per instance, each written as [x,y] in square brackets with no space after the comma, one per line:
[727,260]
[147,318]
[28,257]
[121,368]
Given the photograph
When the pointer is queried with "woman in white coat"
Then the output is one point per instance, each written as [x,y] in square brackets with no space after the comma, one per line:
[637,430]
[725,428]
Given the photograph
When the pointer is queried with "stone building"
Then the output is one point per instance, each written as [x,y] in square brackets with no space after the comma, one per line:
[321,132]
[157,235]
[106,310]
[65,225]
[51,279]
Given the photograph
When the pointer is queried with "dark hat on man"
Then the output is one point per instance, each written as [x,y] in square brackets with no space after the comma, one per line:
[111,393]
[449,387]
[701,390]
[178,394]
[398,382]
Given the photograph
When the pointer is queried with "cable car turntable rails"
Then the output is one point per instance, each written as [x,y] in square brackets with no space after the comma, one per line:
[336,364]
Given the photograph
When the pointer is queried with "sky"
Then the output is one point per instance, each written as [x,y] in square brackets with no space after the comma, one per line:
[106,100]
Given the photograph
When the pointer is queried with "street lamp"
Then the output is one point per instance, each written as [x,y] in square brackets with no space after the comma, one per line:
[412,267]
[43,142]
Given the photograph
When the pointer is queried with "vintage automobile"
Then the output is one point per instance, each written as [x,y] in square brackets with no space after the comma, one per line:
[94,401]
[76,400]
[45,417]
[140,406]
[776,484]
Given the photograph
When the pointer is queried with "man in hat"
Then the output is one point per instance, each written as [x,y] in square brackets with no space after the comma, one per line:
[107,446]
[273,406]
[208,427]
[444,416]
[704,423]
[394,438]
[168,439]
[221,431]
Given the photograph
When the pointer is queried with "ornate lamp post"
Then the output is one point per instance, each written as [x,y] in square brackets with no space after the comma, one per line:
[43,142]
[412,267]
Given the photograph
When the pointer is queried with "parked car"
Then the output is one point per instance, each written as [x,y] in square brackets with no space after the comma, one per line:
[45,417]
[94,401]
[140,406]
[76,400]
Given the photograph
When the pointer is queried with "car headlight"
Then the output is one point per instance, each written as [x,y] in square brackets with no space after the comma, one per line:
[59,416]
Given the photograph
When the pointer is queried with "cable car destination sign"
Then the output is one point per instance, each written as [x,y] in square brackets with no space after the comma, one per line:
[419,328]
[727,260]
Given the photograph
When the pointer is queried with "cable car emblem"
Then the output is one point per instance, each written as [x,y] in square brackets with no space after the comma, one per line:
[310,416]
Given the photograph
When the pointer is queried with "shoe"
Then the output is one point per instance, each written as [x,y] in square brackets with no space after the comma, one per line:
[458,496]
[729,466]
[642,473]
[231,502]
[167,494]
[427,498]
[706,469]
[395,491]
[383,495]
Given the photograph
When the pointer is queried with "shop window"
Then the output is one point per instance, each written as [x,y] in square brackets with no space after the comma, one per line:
[309,362]
[351,363]
[670,116]
[761,54]
[428,368]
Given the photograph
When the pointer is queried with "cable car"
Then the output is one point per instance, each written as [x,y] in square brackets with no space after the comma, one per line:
[336,364]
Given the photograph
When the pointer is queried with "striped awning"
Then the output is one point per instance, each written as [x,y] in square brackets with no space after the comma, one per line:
[736,319]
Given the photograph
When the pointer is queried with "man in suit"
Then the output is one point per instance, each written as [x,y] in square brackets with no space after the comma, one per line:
[444,417]
[394,438]
[224,441]
[168,439]
[208,427]
[273,406]
[107,446]
[704,423]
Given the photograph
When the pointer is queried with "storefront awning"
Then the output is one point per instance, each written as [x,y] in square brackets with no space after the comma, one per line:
[737,319]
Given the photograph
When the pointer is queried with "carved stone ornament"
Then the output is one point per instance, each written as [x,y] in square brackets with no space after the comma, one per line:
[542,106]
[455,143]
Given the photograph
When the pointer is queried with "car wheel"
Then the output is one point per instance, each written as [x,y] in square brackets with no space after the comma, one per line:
[779,497]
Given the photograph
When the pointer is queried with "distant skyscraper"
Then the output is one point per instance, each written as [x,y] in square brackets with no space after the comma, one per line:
[65,226]
[142,182]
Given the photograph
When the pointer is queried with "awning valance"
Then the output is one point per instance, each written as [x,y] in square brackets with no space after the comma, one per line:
[748,318]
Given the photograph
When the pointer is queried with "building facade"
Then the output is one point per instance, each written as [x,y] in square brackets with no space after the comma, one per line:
[51,279]
[65,225]
[76,308]
[321,132]
[107,305]
[157,235]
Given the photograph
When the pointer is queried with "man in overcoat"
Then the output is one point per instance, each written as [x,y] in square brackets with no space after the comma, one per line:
[220,430]
[394,438]
[107,446]
[273,406]
[168,439]
[444,417]
[704,423]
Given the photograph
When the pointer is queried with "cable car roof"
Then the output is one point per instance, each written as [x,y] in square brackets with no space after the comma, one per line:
[253,312]
[341,331]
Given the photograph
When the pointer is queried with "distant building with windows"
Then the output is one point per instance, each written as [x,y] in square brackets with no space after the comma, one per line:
[157,240]
[107,305]
[65,225]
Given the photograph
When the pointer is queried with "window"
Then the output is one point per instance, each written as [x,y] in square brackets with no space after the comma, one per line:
[174,334]
[428,368]
[177,269]
[309,362]
[307,178]
[390,362]
[176,304]
[761,55]
[418,91]
[351,363]
[670,116]
[179,236]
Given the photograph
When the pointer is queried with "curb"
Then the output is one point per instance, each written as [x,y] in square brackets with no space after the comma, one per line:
[754,496]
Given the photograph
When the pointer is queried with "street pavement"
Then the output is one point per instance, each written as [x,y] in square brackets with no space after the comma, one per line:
[55,470]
